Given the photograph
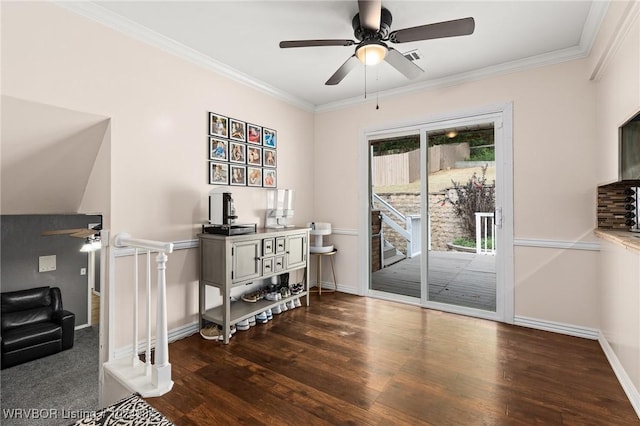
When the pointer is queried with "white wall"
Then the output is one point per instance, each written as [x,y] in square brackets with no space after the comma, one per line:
[616,65]
[554,158]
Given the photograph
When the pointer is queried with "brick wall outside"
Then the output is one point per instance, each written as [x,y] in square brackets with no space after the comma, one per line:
[376,260]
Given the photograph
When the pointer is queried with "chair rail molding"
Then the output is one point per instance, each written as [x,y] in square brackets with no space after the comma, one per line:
[556,244]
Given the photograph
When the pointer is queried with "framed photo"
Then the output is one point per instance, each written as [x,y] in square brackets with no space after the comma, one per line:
[218,149]
[254,176]
[254,134]
[269,157]
[218,173]
[218,125]
[254,156]
[238,152]
[238,175]
[269,137]
[238,130]
[269,178]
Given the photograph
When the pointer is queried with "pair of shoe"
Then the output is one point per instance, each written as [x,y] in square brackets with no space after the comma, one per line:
[273,296]
[243,325]
[246,324]
[262,318]
[297,289]
[285,292]
[252,297]
[276,310]
[213,332]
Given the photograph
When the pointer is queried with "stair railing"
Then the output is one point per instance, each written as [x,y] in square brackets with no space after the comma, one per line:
[411,231]
[148,379]
[485,233]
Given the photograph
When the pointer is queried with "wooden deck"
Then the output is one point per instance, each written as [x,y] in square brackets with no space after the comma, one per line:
[463,279]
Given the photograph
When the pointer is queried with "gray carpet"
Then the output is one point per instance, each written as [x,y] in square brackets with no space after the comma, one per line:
[55,388]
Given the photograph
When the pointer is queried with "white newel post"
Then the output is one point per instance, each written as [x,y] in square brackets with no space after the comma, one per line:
[161,369]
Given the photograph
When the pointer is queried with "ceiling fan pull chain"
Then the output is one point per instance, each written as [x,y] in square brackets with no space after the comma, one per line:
[365,82]
[377,89]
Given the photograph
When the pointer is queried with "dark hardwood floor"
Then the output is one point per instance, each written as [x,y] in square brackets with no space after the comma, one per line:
[354,360]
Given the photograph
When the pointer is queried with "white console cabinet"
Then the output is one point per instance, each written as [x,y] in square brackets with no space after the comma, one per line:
[232,261]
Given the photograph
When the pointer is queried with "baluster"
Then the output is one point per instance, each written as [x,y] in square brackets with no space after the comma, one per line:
[162,368]
[147,356]
[486,228]
[134,357]
[478,233]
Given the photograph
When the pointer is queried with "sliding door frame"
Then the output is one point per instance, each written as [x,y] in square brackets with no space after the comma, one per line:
[502,117]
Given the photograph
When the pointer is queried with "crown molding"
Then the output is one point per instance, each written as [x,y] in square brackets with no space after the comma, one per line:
[105,17]
[629,16]
[545,59]
[596,15]
[139,32]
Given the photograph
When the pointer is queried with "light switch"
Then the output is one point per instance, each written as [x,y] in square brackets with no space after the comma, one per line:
[47,263]
[83,271]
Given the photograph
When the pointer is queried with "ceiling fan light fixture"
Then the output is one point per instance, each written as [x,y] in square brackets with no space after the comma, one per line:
[372,52]
[91,244]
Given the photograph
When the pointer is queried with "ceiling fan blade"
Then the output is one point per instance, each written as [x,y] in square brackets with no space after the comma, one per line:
[84,233]
[315,43]
[342,72]
[369,11]
[457,27]
[402,64]
[63,231]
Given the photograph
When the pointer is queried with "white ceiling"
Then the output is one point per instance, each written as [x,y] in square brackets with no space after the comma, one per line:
[240,39]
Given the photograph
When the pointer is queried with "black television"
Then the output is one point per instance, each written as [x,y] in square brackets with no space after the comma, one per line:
[630,149]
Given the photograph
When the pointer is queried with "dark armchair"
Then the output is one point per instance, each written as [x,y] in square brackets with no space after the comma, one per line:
[34,325]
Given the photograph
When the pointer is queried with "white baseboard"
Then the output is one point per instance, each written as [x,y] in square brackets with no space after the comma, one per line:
[625,381]
[328,285]
[556,327]
[173,335]
[81,326]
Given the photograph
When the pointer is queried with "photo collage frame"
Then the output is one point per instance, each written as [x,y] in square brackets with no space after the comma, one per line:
[241,153]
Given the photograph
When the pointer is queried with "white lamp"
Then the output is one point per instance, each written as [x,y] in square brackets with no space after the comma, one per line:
[371,52]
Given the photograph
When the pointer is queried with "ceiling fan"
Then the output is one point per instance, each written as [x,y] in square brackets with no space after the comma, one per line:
[371,27]
[76,232]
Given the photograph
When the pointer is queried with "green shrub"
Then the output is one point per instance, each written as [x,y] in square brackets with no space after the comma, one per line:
[483,154]
[464,242]
[467,242]
[467,199]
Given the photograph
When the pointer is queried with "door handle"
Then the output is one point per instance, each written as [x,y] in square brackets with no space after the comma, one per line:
[497,217]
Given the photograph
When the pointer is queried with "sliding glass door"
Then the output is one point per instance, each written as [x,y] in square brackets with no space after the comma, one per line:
[435,225]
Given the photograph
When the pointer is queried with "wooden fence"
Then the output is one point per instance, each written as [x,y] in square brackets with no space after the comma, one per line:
[401,169]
